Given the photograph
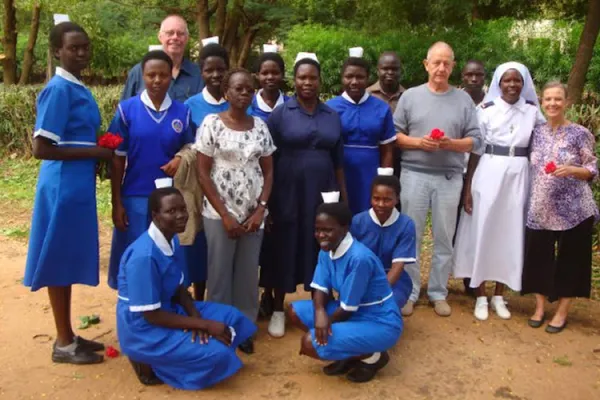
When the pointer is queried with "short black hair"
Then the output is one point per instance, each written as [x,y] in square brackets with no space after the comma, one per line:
[475,61]
[276,58]
[385,180]
[309,61]
[232,72]
[356,62]
[155,199]
[338,211]
[157,55]
[58,32]
[213,50]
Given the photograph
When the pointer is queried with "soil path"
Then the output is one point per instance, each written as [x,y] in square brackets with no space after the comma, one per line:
[436,358]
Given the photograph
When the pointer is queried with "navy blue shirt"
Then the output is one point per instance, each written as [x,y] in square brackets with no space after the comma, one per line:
[188,83]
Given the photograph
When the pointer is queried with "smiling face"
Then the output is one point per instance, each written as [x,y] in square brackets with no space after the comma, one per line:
[173,36]
[270,76]
[239,91]
[213,71]
[354,81]
[511,85]
[388,70]
[74,55]
[172,216]
[383,201]
[554,102]
[157,78]
[328,232]
[307,81]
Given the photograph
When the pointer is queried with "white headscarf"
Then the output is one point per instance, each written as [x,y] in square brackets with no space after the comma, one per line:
[528,91]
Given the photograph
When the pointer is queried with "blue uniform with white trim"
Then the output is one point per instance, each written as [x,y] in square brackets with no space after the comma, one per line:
[394,241]
[202,105]
[63,243]
[358,276]
[259,108]
[149,277]
[151,139]
[365,126]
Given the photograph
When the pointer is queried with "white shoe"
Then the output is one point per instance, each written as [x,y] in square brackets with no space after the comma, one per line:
[277,324]
[499,305]
[481,308]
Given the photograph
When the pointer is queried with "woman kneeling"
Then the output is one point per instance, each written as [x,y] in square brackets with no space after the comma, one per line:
[167,336]
[355,331]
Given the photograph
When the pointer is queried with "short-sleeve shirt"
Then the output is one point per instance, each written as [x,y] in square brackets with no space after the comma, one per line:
[236,170]
[204,104]
[259,108]
[188,83]
[151,139]
[390,99]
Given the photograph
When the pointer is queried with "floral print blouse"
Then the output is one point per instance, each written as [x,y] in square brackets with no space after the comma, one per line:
[559,204]
[236,171]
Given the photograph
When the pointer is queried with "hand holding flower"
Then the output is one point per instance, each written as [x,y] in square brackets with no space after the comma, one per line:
[550,167]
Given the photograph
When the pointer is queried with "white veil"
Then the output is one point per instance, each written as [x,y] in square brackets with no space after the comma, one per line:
[528,92]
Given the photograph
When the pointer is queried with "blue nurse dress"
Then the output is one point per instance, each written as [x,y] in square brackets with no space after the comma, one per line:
[365,126]
[358,276]
[309,150]
[63,243]
[394,241]
[149,277]
[259,108]
[151,139]
[203,104]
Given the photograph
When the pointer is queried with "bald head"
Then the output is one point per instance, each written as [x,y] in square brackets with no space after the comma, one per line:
[439,65]
[440,48]
[174,36]
[172,20]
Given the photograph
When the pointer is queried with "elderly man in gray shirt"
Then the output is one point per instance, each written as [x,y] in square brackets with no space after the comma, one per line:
[432,168]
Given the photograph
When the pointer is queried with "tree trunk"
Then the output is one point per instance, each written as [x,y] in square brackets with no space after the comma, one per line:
[9,42]
[474,10]
[203,20]
[584,52]
[246,46]
[33,35]
[220,18]
[230,35]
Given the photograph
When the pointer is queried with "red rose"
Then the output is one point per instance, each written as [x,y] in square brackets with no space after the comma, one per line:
[550,167]
[111,352]
[110,141]
[437,134]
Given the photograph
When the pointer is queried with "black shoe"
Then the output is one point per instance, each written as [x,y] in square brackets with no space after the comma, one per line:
[536,324]
[247,346]
[89,345]
[339,367]
[78,357]
[469,291]
[265,307]
[145,374]
[365,372]
[556,329]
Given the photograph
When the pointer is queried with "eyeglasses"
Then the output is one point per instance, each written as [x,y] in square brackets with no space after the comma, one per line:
[171,34]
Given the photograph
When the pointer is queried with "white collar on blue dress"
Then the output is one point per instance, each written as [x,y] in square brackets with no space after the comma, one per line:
[390,221]
[362,99]
[343,247]
[63,73]
[264,106]
[164,106]
[210,99]
[160,241]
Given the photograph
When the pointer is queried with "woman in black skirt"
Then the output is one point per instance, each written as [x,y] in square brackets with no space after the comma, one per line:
[562,211]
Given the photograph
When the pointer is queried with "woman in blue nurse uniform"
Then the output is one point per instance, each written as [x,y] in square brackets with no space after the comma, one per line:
[356,331]
[154,129]
[270,72]
[388,233]
[166,335]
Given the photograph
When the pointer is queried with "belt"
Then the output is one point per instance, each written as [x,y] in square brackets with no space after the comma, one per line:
[511,151]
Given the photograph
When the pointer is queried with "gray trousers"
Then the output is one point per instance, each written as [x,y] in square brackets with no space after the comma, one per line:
[233,268]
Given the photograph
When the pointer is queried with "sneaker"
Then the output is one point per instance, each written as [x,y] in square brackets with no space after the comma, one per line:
[499,305]
[442,308]
[408,308]
[481,308]
[277,324]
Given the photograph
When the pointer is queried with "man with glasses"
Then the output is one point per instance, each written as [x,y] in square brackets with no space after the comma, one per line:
[187,79]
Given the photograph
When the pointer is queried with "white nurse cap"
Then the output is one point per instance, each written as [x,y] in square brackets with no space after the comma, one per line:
[331,197]
[58,18]
[269,48]
[154,47]
[302,55]
[385,171]
[163,182]
[214,39]
[356,52]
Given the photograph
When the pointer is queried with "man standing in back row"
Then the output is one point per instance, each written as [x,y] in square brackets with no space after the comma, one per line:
[432,167]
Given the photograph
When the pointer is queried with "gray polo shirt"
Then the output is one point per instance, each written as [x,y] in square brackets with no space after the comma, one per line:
[419,111]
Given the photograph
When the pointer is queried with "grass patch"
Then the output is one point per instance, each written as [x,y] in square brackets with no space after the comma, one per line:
[18,233]
[562,361]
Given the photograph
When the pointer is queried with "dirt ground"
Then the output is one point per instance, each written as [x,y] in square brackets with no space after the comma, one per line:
[436,358]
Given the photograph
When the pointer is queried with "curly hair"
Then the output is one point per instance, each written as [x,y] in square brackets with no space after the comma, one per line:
[229,74]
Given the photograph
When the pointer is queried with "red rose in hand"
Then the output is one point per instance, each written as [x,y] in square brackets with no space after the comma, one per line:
[110,141]
[550,167]
[111,352]
[437,134]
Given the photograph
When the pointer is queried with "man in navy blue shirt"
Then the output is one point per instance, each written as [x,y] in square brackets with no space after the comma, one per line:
[187,79]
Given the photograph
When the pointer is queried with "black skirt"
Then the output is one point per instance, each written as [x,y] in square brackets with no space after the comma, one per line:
[558,264]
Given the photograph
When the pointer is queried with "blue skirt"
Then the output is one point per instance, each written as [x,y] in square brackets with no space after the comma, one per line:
[196,258]
[360,168]
[370,329]
[63,243]
[170,352]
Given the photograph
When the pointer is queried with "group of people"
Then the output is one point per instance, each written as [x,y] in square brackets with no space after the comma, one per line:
[222,189]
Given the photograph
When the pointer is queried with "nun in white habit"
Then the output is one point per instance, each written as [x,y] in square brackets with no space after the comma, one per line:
[489,243]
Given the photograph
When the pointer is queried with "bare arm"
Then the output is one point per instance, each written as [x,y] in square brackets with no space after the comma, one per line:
[468,198]
[341,180]
[464,145]
[185,300]
[394,273]
[387,155]
[45,149]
